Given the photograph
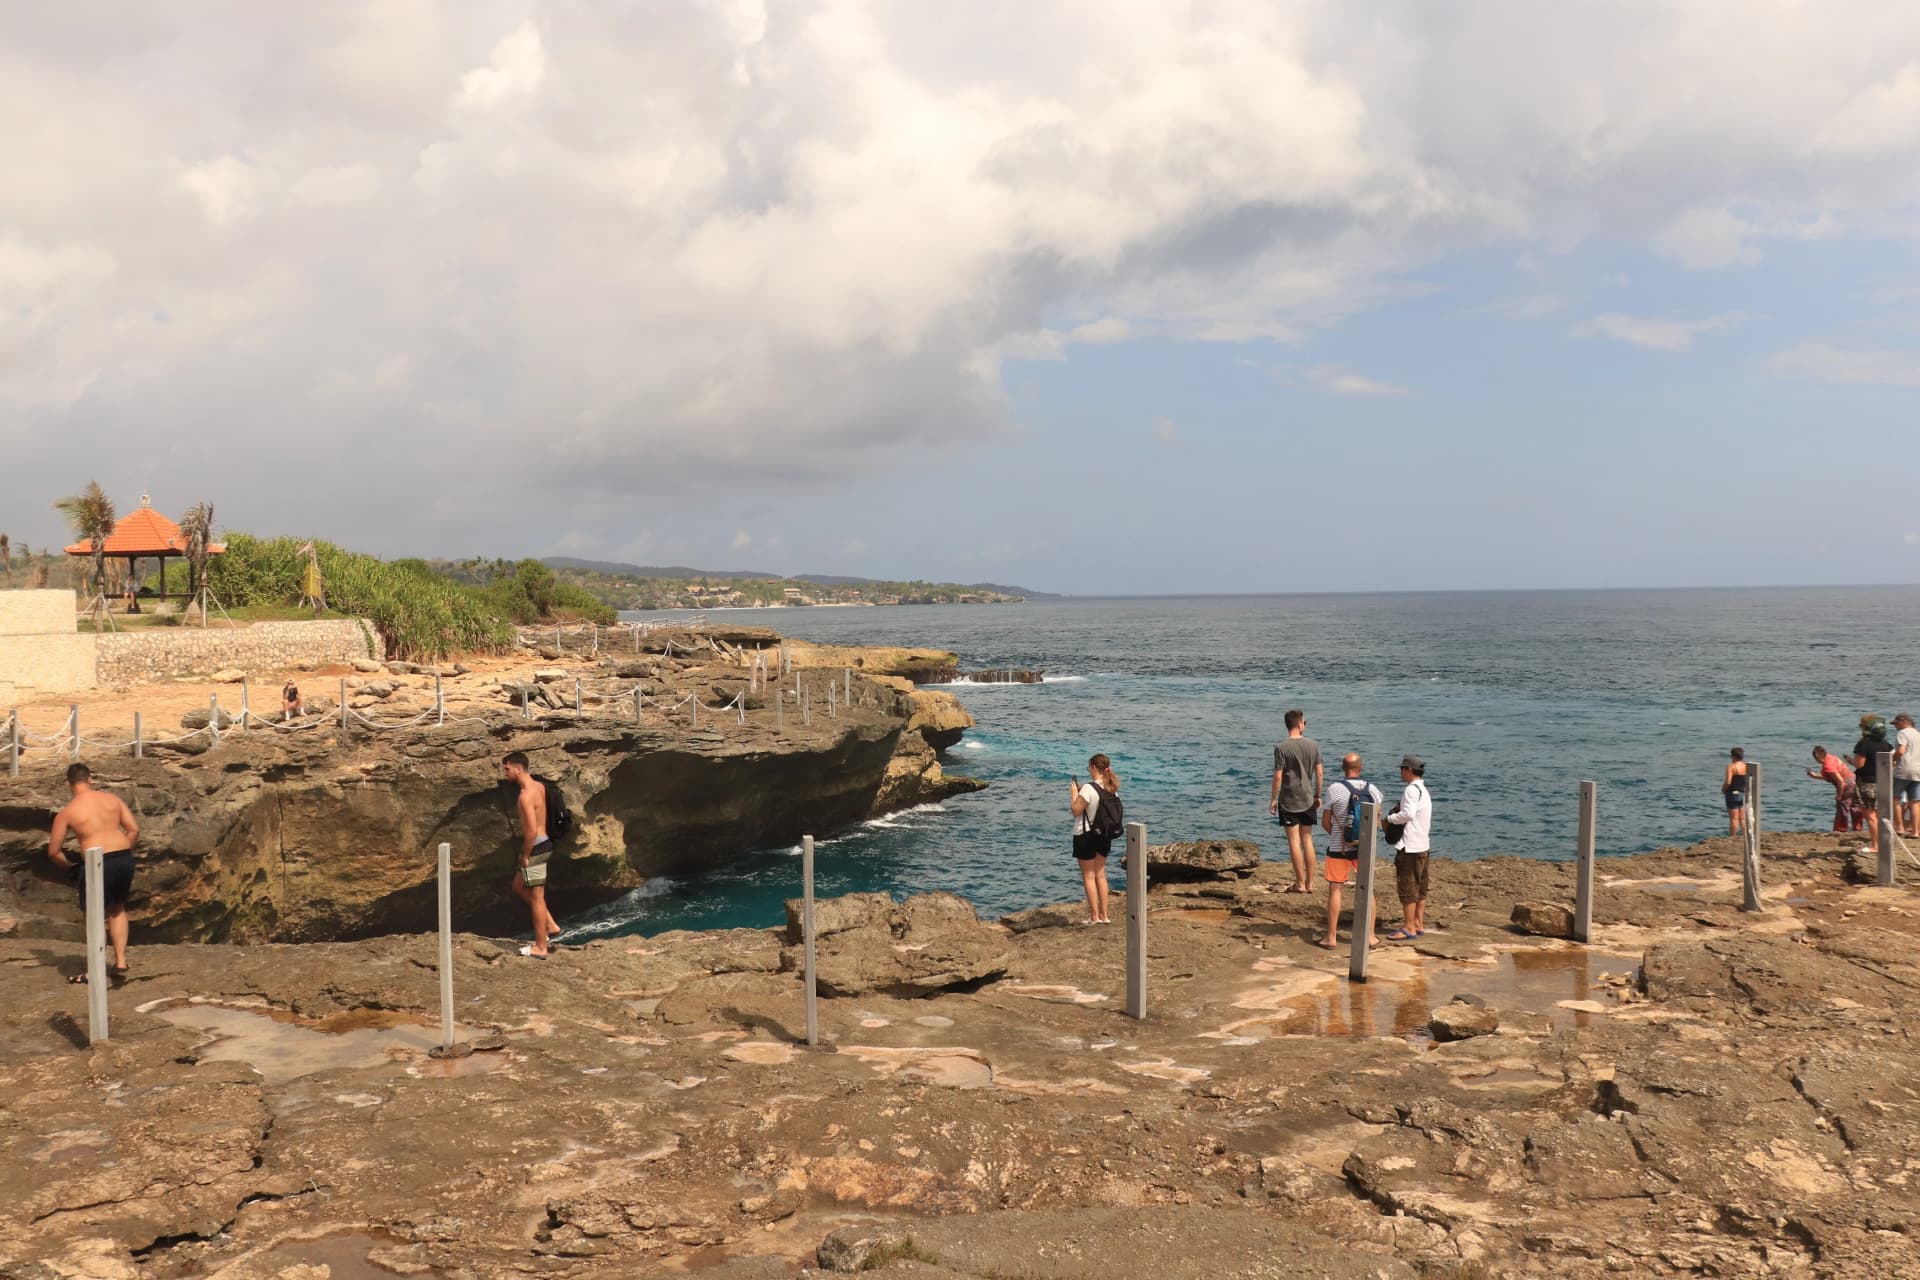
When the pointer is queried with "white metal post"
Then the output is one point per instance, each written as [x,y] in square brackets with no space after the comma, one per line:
[779,709]
[1136,920]
[639,699]
[1363,904]
[213,717]
[846,690]
[96,946]
[806,936]
[1750,865]
[13,744]
[1883,769]
[1583,872]
[439,701]
[577,702]
[139,746]
[526,712]
[245,707]
[446,946]
[343,702]
[73,732]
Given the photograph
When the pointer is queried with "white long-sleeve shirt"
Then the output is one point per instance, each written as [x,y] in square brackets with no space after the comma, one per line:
[1416,811]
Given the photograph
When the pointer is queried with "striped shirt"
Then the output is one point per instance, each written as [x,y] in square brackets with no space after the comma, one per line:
[1338,796]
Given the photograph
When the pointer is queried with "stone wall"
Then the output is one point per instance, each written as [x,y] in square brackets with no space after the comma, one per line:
[41,649]
[137,657]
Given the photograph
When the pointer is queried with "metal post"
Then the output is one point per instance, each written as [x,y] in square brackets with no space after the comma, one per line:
[1363,905]
[1583,871]
[639,698]
[446,946]
[806,708]
[213,717]
[779,709]
[740,707]
[786,659]
[343,702]
[525,712]
[73,733]
[806,937]
[693,709]
[439,701]
[1136,920]
[96,947]
[830,710]
[13,744]
[576,696]
[1750,865]
[846,690]
[1883,770]
[139,744]
[245,709]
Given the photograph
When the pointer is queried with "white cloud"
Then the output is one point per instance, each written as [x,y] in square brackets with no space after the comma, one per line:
[1336,380]
[512,76]
[741,540]
[714,248]
[1658,333]
[1166,432]
[1829,362]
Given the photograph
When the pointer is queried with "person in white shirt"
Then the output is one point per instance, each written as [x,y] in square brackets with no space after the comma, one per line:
[1090,848]
[1415,816]
[1343,799]
[1906,776]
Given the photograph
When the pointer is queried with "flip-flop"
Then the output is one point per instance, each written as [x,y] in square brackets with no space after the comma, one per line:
[531,954]
[1401,935]
[1325,945]
[77,980]
[1295,889]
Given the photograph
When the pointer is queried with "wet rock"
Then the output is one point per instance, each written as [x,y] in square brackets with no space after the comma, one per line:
[1544,919]
[1201,859]
[1460,1020]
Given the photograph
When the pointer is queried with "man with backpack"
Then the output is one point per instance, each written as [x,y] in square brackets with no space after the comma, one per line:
[539,806]
[1097,821]
[1341,807]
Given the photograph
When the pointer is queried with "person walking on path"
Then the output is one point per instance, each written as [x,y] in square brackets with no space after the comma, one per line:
[1906,776]
[1298,779]
[530,880]
[99,820]
[1414,816]
[1093,835]
[1866,766]
[1734,787]
[1341,806]
[1846,801]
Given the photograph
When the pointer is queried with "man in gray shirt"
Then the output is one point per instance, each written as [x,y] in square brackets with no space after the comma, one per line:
[1298,780]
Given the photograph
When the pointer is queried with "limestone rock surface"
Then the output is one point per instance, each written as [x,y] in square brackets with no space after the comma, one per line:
[1200,859]
[1543,919]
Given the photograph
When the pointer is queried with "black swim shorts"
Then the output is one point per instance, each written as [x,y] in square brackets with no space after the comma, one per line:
[116,879]
[1088,845]
[1297,818]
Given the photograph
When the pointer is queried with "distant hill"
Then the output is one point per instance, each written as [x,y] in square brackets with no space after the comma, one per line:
[620,570]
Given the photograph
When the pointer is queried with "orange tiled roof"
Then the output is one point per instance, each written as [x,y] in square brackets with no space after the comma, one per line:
[144,533]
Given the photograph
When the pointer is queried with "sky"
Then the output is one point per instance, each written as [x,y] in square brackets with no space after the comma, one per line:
[1091,296]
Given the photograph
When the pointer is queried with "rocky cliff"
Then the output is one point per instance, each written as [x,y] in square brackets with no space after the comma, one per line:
[330,833]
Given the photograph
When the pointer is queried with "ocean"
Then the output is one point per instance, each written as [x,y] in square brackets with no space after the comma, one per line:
[1511,697]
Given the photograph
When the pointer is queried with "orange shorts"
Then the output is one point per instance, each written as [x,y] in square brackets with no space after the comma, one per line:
[1340,870]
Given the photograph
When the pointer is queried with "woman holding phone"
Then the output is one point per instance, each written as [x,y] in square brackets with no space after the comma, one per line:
[1090,847]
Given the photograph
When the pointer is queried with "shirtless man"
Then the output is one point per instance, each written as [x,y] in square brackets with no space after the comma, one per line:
[99,821]
[530,881]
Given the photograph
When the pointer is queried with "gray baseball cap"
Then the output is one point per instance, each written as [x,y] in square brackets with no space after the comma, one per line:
[1414,763]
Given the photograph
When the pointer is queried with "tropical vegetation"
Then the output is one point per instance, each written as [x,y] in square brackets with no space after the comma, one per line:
[91,515]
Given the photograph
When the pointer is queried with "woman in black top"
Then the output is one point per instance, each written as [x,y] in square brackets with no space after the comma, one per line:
[1734,787]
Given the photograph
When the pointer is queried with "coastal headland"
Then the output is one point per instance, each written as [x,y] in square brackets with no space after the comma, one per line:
[321,831]
[1700,1092]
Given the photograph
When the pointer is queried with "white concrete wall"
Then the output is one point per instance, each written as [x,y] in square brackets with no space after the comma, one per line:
[41,648]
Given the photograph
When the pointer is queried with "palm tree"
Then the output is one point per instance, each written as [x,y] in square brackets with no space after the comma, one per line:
[90,512]
[197,524]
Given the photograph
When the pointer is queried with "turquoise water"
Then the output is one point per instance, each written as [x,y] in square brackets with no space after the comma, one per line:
[1512,698]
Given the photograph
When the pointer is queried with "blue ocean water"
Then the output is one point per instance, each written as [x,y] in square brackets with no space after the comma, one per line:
[1511,697]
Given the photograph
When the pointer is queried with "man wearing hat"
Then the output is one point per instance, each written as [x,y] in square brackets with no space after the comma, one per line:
[1414,817]
[1866,765]
[1906,776]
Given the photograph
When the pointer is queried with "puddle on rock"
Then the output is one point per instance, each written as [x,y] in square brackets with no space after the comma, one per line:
[1559,983]
[1197,915]
[283,1046]
[350,1255]
[955,1068]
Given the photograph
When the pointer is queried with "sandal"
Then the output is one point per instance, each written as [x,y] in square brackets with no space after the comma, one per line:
[1324,945]
[531,954]
[77,980]
[1401,935]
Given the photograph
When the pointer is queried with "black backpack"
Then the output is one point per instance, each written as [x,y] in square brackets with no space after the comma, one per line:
[559,818]
[1106,818]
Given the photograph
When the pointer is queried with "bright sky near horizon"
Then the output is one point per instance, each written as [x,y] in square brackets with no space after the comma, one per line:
[1094,296]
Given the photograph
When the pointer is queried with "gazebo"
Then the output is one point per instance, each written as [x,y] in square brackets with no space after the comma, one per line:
[145,535]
